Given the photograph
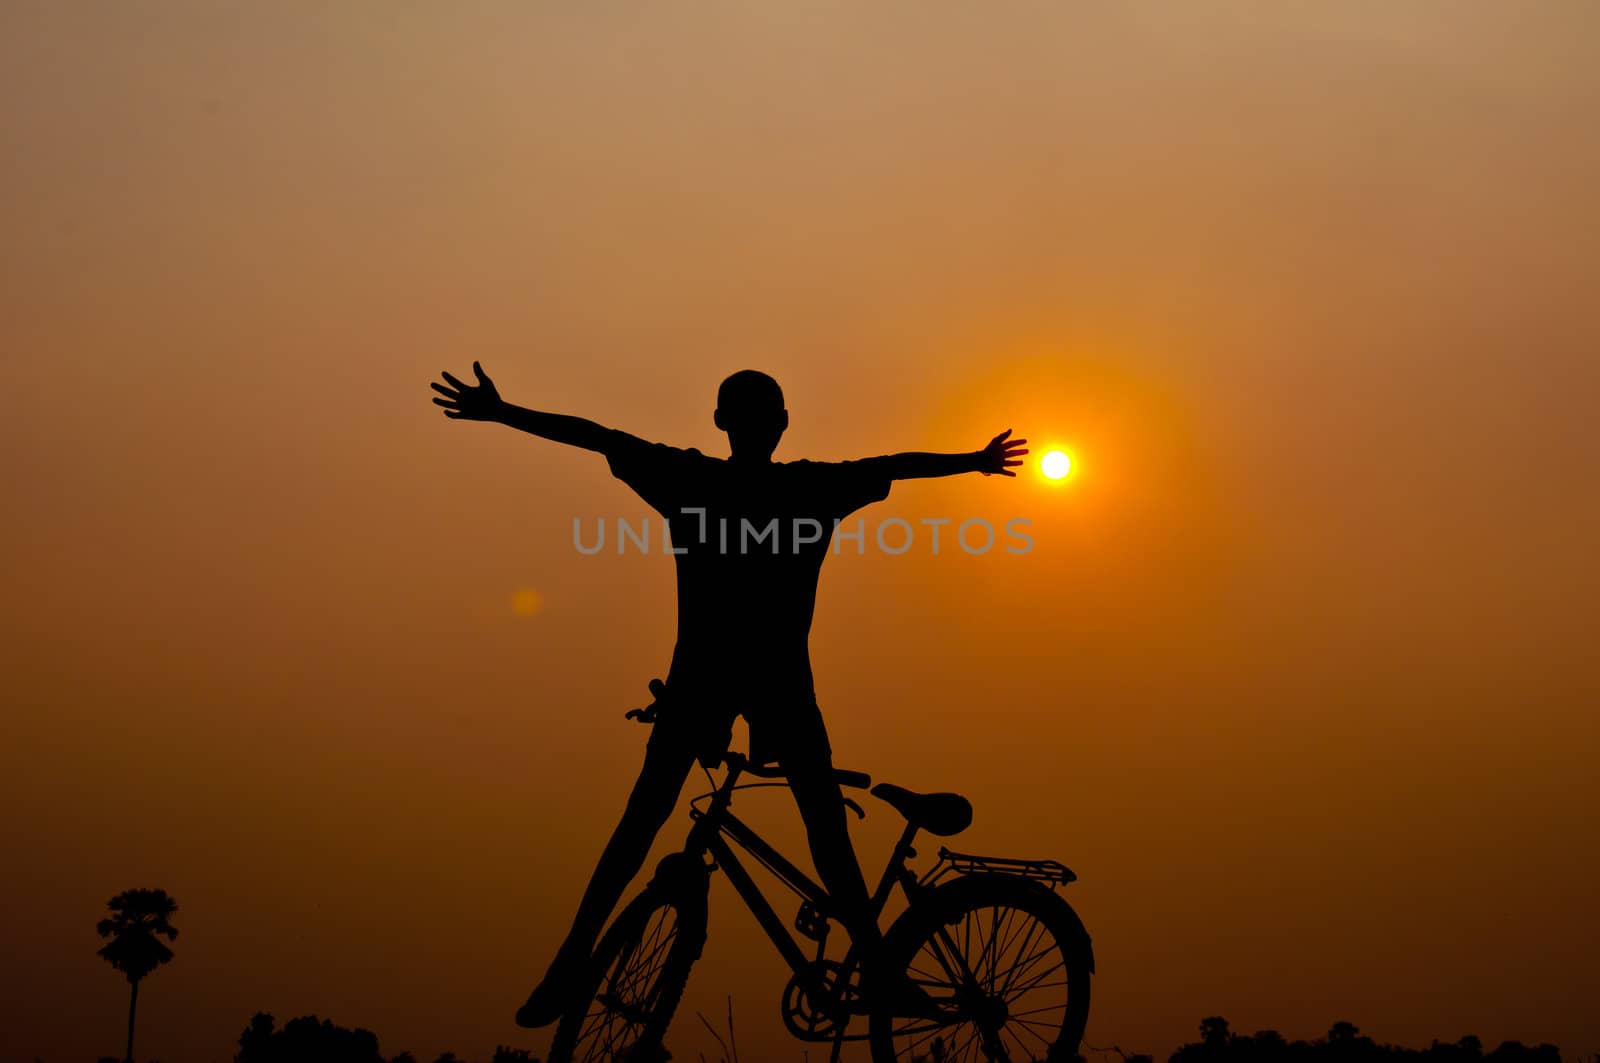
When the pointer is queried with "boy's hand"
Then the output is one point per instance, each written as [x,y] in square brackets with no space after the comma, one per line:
[467,403]
[1001,455]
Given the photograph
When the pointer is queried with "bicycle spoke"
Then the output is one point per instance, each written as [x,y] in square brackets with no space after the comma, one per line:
[942,950]
[593,1020]
[1012,984]
[944,978]
[1032,926]
[986,953]
[651,966]
[1027,1025]
[1062,984]
[1018,924]
[651,948]
[971,1042]
[646,968]
[1047,973]
[932,1033]
[609,1035]
[1018,1015]
[588,1029]
[1023,1052]
[1025,963]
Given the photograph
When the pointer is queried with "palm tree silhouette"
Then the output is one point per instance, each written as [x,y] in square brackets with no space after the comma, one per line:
[139,919]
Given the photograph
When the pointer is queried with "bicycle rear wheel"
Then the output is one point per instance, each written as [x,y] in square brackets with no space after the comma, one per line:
[1006,961]
[637,976]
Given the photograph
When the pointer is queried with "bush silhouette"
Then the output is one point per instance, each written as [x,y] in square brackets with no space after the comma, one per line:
[1344,1044]
[305,1040]
[309,1039]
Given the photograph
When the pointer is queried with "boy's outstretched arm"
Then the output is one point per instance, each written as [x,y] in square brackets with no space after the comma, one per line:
[1000,456]
[464,402]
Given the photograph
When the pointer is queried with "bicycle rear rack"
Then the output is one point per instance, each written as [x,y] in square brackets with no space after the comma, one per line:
[1051,871]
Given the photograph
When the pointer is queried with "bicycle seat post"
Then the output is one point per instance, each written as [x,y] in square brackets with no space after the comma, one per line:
[896,871]
[903,849]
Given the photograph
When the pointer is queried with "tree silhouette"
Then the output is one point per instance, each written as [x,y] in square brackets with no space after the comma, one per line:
[1214,1031]
[1343,1033]
[138,921]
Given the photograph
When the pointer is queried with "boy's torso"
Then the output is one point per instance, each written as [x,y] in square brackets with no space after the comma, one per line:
[749,543]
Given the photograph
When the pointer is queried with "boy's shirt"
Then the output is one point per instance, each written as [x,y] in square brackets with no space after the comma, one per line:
[746,587]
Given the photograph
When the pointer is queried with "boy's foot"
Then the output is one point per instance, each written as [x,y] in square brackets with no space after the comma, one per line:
[549,999]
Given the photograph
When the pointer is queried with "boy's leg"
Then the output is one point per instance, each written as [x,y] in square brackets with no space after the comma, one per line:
[821,804]
[807,760]
[667,761]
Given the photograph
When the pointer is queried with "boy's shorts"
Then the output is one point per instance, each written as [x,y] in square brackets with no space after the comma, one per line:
[784,731]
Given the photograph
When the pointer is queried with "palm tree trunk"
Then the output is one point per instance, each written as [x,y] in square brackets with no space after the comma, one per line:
[133,1002]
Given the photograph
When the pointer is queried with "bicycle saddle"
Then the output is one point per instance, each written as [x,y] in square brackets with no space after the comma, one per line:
[941,814]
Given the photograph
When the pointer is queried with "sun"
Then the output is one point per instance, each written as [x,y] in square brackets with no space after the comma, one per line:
[1055,465]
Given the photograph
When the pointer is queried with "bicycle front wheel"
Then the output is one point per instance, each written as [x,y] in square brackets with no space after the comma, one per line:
[636,979]
[1005,961]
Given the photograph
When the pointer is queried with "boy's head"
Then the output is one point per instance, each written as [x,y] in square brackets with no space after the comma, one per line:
[750,409]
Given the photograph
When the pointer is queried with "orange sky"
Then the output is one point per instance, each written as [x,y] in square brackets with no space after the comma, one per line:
[1299,677]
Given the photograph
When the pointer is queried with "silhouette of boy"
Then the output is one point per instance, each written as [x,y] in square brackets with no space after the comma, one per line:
[751,535]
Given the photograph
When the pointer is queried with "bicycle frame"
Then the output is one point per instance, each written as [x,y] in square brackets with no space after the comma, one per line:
[719,832]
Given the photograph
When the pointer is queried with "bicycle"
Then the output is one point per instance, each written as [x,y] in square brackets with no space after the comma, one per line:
[988,939]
